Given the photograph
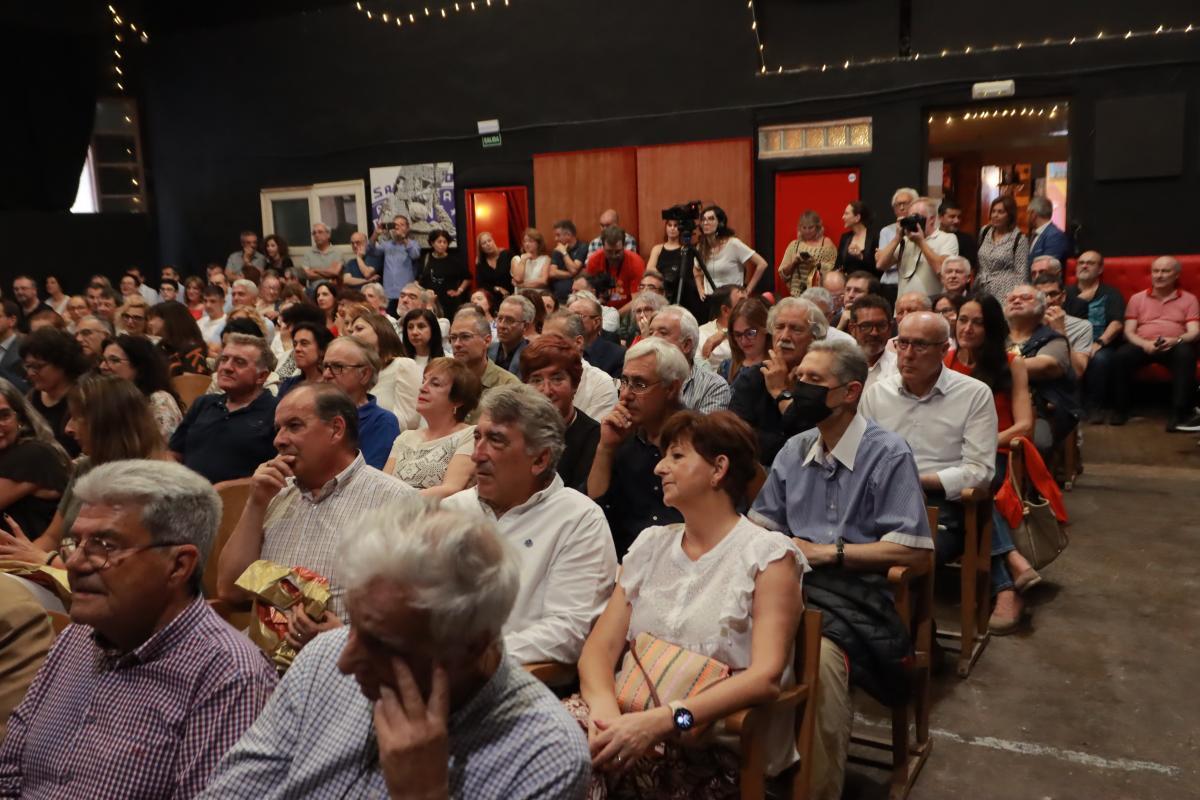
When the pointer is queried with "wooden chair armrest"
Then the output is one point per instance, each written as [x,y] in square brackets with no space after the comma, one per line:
[551,673]
[746,718]
[975,495]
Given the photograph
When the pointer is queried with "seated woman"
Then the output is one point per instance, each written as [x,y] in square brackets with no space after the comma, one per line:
[400,379]
[422,336]
[132,316]
[437,458]
[179,338]
[717,585]
[53,361]
[34,469]
[948,305]
[749,338]
[135,359]
[309,341]
[111,420]
[981,333]
[552,365]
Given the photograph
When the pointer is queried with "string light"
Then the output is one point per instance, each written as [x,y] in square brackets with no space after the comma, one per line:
[1051,112]
[966,50]
[443,12]
[120,22]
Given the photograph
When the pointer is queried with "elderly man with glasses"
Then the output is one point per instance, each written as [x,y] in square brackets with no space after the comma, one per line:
[470,335]
[147,690]
[354,368]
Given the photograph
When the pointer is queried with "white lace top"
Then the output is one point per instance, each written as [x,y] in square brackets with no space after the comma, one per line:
[704,605]
[423,464]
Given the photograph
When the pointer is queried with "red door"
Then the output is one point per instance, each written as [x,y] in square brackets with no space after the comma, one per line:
[825,191]
[502,211]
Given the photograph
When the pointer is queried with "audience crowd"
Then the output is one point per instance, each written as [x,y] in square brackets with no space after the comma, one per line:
[561,456]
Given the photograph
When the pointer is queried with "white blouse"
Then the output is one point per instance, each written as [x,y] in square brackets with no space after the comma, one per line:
[396,390]
[728,265]
[705,605]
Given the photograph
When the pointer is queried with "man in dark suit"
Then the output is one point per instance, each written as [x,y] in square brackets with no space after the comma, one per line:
[11,368]
[598,351]
[1048,238]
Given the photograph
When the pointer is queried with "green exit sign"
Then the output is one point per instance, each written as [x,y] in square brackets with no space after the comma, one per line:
[491,140]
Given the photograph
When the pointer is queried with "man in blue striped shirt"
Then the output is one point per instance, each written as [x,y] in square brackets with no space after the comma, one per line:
[850,494]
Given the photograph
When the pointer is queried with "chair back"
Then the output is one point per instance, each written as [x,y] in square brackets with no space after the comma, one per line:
[234,495]
[189,386]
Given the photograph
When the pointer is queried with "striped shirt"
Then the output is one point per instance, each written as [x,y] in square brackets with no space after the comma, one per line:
[151,723]
[316,738]
[705,391]
[304,529]
[865,490]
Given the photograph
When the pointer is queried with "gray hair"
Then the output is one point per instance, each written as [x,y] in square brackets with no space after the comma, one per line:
[670,364]
[571,321]
[368,354]
[247,284]
[689,329]
[587,297]
[963,259]
[178,506]
[849,362]
[482,326]
[1041,206]
[904,190]
[1039,297]
[374,289]
[1055,267]
[528,312]
[653,299]
[922,300]
[818,324]
[266,359]
[820,296]
[103,322]
[452,566]
[540,423]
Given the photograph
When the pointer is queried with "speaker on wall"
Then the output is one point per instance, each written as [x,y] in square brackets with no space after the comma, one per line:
[1140,137]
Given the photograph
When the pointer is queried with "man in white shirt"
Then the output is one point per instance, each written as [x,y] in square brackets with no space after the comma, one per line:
[597,392]
[824,301]
[704,391]
[213,321]
[949,420]
[568,560]
[714,334]
[919,251]
[870,324]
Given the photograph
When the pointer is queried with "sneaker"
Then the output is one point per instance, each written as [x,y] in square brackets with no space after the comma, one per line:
[1190,425]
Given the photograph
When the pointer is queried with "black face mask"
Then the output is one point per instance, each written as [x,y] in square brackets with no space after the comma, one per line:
[809,405]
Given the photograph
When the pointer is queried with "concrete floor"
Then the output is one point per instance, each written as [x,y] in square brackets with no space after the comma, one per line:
[1097,697]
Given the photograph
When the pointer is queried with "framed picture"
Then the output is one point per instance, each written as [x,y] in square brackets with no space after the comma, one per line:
[422,192]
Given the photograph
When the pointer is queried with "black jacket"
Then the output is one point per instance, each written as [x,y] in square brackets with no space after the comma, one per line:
[859,616]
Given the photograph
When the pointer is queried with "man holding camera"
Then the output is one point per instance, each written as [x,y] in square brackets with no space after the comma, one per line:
[920,249]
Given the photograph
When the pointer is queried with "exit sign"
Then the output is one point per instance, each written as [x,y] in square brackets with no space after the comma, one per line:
[491,140]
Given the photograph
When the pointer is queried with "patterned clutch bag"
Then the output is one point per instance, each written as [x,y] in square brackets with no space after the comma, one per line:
[656,672]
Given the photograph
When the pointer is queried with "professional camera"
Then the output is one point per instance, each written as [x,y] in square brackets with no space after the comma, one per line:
[686,215]
[913,222]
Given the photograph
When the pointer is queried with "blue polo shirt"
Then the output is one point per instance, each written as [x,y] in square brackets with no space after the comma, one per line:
[377,432]
[223,445]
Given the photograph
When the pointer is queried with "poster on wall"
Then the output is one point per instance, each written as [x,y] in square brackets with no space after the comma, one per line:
[422,192]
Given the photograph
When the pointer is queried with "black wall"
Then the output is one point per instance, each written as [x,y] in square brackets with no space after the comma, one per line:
[326,95]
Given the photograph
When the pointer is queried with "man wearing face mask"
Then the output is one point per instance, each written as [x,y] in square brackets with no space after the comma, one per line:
[871,517]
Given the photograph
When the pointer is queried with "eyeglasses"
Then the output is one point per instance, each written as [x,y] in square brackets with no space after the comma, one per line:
[338,369]
[872,327]
[133,318]
[35,366]
[636,385]
[115,360]
[557,379]
[749,333]
[650,287]
[917,345]
[100,553]
[460,337]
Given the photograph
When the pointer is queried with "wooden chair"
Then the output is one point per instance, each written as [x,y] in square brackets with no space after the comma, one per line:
[912,590]
[552,673]
[975,607]
[750,724]
[189,386]
[234,495]
[1067,454]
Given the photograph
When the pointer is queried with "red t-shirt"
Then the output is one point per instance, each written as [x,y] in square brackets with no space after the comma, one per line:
[625,280]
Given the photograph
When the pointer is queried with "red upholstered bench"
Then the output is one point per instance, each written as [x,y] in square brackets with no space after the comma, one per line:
[1130,275]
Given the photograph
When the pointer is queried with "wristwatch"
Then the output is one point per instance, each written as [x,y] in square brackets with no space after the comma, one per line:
[841,552]
[682,717]
[786,394]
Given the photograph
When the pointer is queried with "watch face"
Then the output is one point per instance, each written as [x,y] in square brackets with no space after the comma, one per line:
[684,719]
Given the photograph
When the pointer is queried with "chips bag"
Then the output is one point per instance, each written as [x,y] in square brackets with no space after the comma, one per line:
[277,588]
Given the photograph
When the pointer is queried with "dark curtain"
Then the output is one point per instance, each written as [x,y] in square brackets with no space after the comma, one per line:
[518,216]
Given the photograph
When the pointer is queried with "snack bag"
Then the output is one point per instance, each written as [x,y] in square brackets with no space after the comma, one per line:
[277,588]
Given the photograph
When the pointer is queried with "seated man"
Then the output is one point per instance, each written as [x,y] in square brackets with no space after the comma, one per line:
[834,282]
[956,276]
[1162,324]
[142,696]
[568,563]
[597,349]
[1052,267]
[949,421]
[1078,331]
[631,494]
[552,366]
[1048,361]
[849,491]
[225,436]
[704,390]
[305,500]
[596,393]
[824,301]
[514,323]
[469,337]
[354,368]
[857,284]
[418,699]
[761,396]
[871,326]
[213,321]
[1106,315]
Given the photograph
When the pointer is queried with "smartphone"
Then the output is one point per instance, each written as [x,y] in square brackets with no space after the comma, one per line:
[1159,342]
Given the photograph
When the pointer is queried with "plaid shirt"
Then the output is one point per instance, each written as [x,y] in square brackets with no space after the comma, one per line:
[303,529]
[316,738]
[152,723]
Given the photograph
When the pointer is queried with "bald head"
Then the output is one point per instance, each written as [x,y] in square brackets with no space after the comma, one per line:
[608,218]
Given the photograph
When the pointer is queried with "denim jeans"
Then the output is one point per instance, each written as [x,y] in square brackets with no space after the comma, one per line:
[1097,380]
[949,540]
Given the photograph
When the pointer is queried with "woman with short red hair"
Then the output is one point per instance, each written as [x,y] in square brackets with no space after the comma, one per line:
[553,366]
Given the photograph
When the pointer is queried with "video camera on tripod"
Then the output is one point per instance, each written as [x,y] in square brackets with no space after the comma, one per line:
[687,217]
